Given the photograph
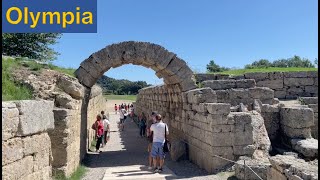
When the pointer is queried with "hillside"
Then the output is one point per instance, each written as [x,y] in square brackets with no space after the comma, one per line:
[14,70]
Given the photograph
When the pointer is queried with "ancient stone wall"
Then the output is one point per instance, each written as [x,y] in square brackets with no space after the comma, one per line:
[70,130]
[26,145]
[207,127]
[286,85]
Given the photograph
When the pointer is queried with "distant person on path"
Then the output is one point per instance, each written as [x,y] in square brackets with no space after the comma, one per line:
[142,124]
[123,116]
[125,107]
[159,131]
[151,121]
[99,132]
[106,127]
[119,107]
[116,108]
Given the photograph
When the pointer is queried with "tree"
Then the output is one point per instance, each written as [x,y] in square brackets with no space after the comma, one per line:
[316,61]
[213,67]
[31,45]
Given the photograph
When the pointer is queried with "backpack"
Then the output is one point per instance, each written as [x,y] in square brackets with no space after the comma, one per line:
[94,127]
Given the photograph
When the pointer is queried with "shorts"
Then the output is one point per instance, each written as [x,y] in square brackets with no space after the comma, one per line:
[121,121]
[157,150]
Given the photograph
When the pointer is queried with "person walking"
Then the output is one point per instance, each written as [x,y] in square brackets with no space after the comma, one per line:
[159,130]
[99,132]
[142,124]
[151,121]
[115,108]
[106,127]
[123,116]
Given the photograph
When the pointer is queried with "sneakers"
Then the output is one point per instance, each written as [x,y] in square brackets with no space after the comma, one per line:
[160,170]
[149,168]
[155,170]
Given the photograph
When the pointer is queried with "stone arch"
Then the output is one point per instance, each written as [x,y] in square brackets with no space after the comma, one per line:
[167,65]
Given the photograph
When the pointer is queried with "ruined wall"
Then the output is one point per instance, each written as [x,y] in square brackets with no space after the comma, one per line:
[26,147]
[96,104]
[286,85]
[69,138]
[207,127]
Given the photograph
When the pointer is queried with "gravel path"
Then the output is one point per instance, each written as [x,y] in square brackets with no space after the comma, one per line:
[128,149]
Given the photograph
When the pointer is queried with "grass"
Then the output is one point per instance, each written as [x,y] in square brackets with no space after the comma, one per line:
[121,97]
[77,175]
[271,69]
[69,71]
[11,90]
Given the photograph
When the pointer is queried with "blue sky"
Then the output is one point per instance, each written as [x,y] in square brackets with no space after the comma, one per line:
[233,33]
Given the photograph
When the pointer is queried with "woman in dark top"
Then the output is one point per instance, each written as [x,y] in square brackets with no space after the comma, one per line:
[142,124]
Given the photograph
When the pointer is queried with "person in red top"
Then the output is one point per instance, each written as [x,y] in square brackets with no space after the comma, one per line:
[115,108]
[99,132]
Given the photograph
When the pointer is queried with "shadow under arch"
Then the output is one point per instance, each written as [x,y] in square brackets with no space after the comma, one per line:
[167,65]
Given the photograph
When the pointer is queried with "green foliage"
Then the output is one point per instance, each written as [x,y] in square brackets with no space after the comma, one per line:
[10,89]
[120,87]
[295,61]
[31,45]
[270,69]
[77,175]
[213,67]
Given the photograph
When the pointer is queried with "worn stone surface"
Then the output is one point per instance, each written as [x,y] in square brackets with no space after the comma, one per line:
[297,117]
[287,167]
[32,122]
[71,86]
[307,147]
[258,166]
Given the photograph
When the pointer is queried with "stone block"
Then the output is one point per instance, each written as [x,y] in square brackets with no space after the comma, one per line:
[218,108]
[312,89]
[220,84]
[18,169]
[298,81]
[202,95]
[275,75]
[273,173]
[12,150]
[8,104]
[41,160]
[280,94]
[36,143]
[222,139]
[272,84]
[261,93]
[222,96]
[258,76]
[222,151]
[32,122]
[245,83]
[222,128]
[243,138]
[216,119]
[296,133]
[308,100]
[307,147]
[244,150]
[10,122]
[296,117]
[258,166]
[301,74]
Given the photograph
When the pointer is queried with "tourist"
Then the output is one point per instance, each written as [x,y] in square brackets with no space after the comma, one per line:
[123,116]
[103,115]
[151,121]
[125,107]
[115,108]
[106,134]
[159,131]
[99,132]
[119,107]
[142,124]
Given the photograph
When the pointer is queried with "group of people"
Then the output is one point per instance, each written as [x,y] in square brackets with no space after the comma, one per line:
[153,128]
[127,107]
[157,133]
[102,130]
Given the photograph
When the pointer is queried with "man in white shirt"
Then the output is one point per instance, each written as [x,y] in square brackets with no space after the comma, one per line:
[123,115]
[106,127]
[159,130]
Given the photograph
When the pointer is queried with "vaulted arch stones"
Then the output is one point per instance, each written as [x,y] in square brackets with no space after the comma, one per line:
[167,65]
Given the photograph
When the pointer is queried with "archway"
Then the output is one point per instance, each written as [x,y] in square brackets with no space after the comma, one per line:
[178,77]
[166,64]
